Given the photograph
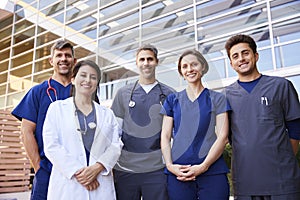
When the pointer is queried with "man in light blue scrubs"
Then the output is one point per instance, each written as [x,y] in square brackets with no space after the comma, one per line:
[265,127]
[32,112]
[139,171]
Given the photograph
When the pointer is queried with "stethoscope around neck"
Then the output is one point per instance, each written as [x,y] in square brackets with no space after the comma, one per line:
[49,89]
[92,124]
[162,96]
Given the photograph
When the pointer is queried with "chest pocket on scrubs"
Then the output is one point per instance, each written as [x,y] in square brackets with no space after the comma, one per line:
[270,111]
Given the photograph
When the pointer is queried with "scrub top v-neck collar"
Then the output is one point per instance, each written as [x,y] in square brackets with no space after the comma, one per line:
[255,89]
[196,99]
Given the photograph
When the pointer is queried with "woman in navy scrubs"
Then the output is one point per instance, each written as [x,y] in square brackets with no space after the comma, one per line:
[197,121]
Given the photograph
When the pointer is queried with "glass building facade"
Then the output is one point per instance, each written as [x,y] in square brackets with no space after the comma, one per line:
[110,31]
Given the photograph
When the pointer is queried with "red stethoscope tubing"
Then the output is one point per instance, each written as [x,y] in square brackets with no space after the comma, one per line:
[53,90]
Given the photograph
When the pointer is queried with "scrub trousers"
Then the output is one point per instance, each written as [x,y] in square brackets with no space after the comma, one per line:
[40,185]
[133,186]
[209,187]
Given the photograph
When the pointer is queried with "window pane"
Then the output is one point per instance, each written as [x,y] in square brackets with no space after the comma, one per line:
[42,40]
[164,7]
[265,60]
[20,60]
[4,55]
[39,78]
[42,65]
[17,49]
[3,66]
[296,82]
[3,77]
[18,83]
[216,70]
[289,55]
[284,8]
[43,52]
[20,26]
[81,52]
[14,99]
[5,34]
[214,18]
[172,31]
[81,9]
[2,89]
[22,72]
[2,101]
[53,9]
[45,3]
[6,23]
[171,78]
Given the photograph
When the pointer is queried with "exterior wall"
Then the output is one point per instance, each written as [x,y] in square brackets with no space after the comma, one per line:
[109,32]
[14,164]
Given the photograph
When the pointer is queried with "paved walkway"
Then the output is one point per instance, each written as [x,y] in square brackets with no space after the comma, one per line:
[15,196]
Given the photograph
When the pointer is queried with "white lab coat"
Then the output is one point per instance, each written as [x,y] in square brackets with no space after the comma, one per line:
[64,147]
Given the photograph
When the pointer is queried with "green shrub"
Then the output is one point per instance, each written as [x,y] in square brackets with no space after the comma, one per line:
[227,155]
[298,155]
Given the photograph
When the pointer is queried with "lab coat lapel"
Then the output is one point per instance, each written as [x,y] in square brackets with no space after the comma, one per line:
[99,121]
[97,141]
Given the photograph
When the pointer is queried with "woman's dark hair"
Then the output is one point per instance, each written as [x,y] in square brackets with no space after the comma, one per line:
[93,65]
[199,57]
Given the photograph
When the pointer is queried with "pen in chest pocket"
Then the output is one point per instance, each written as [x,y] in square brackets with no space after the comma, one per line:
[264,101]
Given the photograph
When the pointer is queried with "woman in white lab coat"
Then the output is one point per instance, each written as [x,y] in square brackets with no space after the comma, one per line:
[81,139]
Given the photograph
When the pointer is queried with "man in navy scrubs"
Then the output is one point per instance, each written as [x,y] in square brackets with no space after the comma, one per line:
[265,128]
[32,111]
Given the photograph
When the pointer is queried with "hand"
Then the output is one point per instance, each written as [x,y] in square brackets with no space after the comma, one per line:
[192,172]
[85,176]
[178,170]
[93,185]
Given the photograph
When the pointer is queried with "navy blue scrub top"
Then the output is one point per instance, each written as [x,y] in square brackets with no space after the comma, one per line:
[34,106]
[194,127]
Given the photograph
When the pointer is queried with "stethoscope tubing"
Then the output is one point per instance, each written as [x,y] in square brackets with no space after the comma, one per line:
[51,88]
[131,104]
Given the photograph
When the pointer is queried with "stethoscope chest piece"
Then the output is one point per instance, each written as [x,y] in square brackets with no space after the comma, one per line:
[131,104]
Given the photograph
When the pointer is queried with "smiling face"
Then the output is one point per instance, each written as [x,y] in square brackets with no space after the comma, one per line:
[191,69]
[243,60]
[62,61]
[86,80]
[146,63]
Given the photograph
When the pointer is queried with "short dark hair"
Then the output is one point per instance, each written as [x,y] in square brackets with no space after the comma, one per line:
[199,57]
[60,44]
[148,47]
[240,38]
